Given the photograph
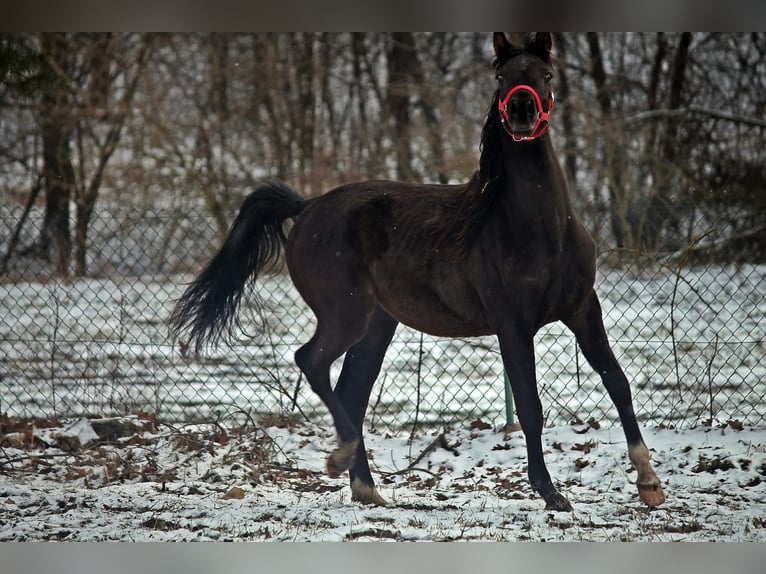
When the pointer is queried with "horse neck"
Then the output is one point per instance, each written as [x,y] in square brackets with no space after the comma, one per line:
[534,182]
[532,205]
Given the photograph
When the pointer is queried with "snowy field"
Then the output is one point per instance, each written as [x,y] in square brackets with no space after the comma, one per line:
[230,445]
[134,480]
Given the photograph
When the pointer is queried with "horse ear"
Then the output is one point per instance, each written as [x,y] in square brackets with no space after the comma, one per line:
[543,40]
[501,44]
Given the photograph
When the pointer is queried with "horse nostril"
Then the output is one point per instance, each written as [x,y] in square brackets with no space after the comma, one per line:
[522,109]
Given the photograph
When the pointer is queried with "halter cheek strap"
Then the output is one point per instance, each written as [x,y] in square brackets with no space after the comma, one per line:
[541,122]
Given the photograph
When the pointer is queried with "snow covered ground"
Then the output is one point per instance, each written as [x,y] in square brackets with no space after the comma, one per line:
[692,343]
[134,480]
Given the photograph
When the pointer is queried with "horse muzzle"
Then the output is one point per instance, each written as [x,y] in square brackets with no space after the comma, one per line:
[522,115]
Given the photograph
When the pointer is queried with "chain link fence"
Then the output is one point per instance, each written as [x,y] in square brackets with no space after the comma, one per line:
[690,339]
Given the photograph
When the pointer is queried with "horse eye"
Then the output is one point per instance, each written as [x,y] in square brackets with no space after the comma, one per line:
[548,78]
[499,78]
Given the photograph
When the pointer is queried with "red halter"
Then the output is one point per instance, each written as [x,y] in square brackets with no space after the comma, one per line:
[541,122]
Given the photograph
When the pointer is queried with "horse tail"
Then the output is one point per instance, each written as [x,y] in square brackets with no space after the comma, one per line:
[206,312]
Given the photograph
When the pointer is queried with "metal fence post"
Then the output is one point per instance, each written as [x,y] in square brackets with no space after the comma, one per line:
[510,418]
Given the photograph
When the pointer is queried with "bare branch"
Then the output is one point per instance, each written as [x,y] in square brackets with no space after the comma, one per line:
[649,115]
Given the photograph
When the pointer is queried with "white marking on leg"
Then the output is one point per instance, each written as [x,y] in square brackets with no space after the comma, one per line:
[649,489]
[640,457]
[366,494]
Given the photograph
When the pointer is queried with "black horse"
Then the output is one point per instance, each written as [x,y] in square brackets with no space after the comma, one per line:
[503,254]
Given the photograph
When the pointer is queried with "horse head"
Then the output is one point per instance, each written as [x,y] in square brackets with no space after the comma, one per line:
[524,76]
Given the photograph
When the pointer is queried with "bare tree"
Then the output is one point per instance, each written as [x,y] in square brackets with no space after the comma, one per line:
[57,126]
[658,127]
[401,59]
[104,108]
[661,133]
[80,122]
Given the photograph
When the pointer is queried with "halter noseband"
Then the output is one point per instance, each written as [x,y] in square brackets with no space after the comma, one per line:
[541,121]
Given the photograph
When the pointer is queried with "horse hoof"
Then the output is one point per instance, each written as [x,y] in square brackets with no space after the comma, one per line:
[341,459]
[366,494]
[651,494]
[557,502]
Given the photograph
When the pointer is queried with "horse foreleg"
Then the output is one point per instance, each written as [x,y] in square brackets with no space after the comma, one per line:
[588,328]
[360,370]
[518,354]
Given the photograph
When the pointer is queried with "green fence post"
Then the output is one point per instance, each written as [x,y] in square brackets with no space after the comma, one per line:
[510,418]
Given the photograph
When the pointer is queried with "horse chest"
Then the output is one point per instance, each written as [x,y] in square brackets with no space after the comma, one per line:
[570,284]
[543,285]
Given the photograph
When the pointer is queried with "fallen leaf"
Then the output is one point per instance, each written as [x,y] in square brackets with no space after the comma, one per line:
[736,425]
[235,493]
[585,447]
[581,463]
[480,425]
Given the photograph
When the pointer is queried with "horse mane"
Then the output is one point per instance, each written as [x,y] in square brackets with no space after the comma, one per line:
[481,191]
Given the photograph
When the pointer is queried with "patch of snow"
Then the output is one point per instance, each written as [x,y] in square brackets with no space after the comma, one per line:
[81,430]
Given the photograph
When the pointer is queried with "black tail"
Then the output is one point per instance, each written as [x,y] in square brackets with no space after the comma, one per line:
[207,309]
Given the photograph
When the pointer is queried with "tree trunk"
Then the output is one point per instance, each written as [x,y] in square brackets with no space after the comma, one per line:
[663,206]
[400,54]
[562,91]
[101,90]
[268,96]
[428,99]
[618,204]
[306,119]
[55,239]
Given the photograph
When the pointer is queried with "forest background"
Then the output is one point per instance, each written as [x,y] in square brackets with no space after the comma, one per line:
[661,134]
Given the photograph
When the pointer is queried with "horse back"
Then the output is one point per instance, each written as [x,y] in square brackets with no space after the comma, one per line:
[394,241]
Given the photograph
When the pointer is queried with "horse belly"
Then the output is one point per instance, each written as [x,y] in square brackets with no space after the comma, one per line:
[444,309]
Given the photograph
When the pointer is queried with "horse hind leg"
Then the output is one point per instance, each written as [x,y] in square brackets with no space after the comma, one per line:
[314,359]
[360,370]
[338,328]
